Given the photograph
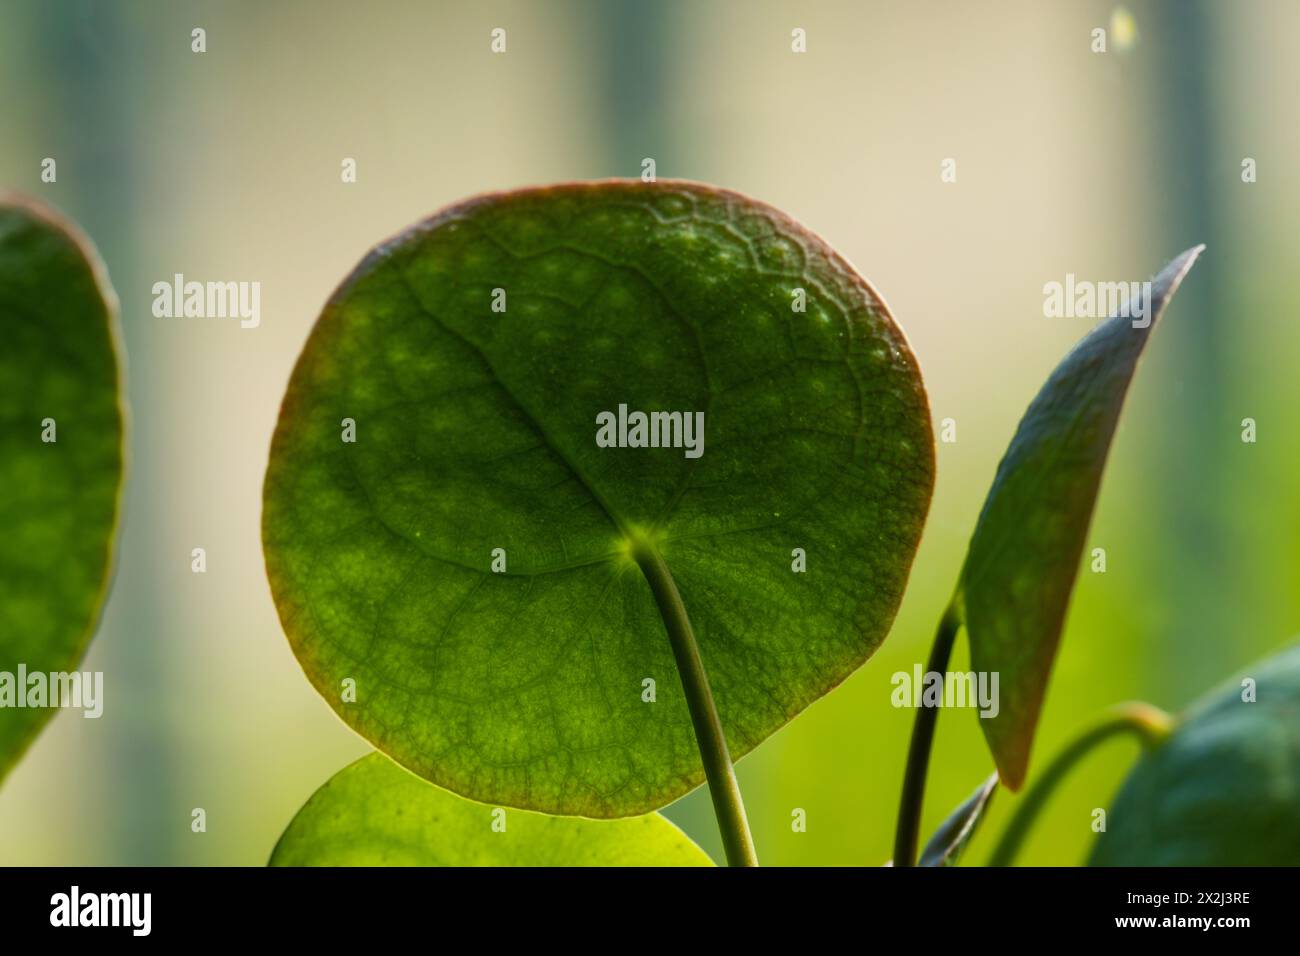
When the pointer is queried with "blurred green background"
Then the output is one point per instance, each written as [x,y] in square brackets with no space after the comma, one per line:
[226,165]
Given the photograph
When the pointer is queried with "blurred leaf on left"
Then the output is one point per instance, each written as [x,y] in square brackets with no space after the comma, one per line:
[61,458]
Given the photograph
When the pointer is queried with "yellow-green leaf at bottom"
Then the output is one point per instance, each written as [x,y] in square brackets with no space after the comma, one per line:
[374,813]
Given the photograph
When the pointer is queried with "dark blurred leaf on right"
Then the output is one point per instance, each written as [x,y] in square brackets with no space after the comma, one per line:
[1223,789]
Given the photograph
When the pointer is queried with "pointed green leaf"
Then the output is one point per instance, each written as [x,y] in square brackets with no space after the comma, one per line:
[950,840]
[476,429]
[1025,552]
[374,813]
[1224,788]
[61,426]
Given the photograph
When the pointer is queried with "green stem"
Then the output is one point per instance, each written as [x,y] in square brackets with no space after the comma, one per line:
[908,832]
[1151,726]
[723,788]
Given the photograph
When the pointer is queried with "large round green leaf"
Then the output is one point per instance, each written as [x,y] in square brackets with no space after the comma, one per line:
[476,430]
[1224,789]
[61,427]
[374,813]
[1024,555]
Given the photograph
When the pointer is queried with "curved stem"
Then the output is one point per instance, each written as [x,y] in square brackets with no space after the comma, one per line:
[723,788]
[1150,724]
[908,832]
